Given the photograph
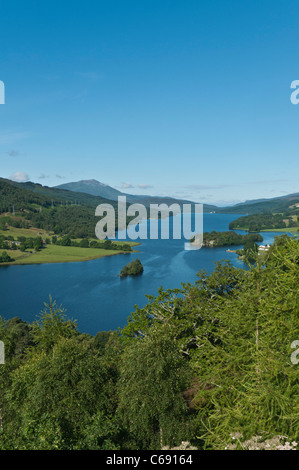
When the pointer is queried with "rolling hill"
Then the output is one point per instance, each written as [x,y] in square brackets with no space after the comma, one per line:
[262,206]
[92,193]
[97,188]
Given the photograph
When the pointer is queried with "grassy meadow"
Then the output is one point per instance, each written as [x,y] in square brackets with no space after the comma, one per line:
[60,254]
[54,253]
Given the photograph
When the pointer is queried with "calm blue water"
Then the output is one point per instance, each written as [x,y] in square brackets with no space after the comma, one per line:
[91,291]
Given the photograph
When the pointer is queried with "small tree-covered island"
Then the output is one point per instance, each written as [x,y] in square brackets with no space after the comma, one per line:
[134,268]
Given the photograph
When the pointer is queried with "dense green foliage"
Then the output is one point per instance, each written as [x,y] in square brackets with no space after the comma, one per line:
[200,363]
[23,194]
[213,239]
[5,258]
[60,211]
[85,243]
[249,252]
[134,268]
[75,221]
[12,195]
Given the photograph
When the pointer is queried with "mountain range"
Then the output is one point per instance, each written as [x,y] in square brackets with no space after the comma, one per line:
[92,193]
[255,206]
[96,188]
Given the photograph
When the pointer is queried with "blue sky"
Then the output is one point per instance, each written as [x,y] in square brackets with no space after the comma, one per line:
[183,98]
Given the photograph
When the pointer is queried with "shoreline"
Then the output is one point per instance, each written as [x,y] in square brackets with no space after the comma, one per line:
[281,230]
[26,260]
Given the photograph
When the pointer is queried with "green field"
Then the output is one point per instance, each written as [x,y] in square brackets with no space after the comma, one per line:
[55,253]
[292,230]
[26,232]
[59,254]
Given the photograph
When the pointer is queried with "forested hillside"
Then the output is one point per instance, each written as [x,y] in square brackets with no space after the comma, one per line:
[60,211]
[45,193]
[209,363]
[258,222]
[265,206]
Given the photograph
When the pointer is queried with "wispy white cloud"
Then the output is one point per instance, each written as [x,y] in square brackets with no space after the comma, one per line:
[279,180]
[42,176]
[204,187]
[126,185]
[20,177]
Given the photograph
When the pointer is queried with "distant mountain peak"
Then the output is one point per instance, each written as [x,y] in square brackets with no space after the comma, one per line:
[92,182]
[96,188]
[93,187]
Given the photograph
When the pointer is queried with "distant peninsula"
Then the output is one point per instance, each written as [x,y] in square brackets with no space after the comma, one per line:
[282,222]
[216,239]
